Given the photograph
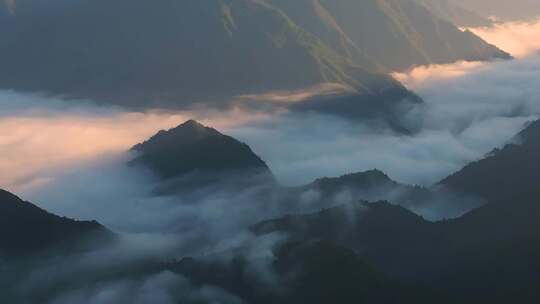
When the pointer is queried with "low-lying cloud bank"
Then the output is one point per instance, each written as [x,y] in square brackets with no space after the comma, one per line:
[458,124]
[301,148]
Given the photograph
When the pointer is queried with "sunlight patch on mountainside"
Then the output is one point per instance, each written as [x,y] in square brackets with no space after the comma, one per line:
[298,95]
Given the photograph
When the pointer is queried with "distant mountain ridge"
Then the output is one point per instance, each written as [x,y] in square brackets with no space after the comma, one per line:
[488,255]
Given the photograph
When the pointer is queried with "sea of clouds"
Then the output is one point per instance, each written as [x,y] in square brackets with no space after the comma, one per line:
[70,157]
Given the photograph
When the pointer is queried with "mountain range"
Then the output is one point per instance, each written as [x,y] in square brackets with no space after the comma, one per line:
[466,259]
[177,54]
[488,255]
[193,156]
[473,237]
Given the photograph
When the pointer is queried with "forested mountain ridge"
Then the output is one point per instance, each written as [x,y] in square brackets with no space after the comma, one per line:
[175,54]
[154,55]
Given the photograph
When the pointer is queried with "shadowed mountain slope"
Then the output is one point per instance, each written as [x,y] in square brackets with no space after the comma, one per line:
[302,272]
[490,254]
[504,173]
[169,53]
[27,229]
[374,230]
[175,54]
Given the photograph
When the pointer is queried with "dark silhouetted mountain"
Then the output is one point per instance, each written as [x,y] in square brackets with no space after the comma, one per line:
[395,34]
[26,229]
[505,173]
[489,255]
[302,272]
[493,253]
[192,155]
[366,221]
[374,230]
